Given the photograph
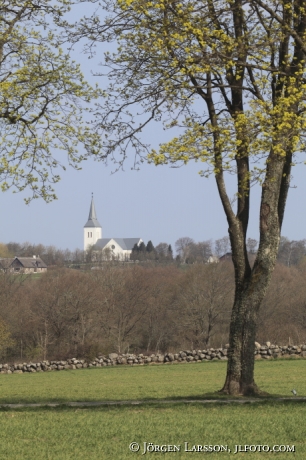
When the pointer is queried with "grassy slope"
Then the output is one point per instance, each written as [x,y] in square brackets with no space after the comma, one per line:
[105,433]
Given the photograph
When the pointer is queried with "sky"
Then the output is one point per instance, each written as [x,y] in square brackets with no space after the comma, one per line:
[160,203]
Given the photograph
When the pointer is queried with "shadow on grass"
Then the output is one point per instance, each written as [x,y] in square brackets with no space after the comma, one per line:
[199,400]
[159,405]
[208,397]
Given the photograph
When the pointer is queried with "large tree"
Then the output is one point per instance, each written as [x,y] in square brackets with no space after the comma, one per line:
[231,74]
[42,92]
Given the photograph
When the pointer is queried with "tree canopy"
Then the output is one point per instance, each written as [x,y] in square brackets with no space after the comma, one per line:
[228,72]
[42,96]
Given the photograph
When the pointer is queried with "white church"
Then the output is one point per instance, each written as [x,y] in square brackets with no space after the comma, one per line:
[118,248]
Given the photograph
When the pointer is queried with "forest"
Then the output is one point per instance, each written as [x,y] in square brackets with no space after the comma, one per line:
[147,305]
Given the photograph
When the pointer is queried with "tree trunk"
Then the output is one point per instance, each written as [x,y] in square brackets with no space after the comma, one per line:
[252,284]
[240,369]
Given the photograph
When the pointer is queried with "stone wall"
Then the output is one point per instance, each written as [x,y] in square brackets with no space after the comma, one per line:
[266,351]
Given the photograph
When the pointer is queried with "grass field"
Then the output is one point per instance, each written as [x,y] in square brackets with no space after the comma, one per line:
[106,432]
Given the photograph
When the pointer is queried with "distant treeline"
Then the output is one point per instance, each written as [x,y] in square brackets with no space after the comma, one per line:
[138,308]
[187,251]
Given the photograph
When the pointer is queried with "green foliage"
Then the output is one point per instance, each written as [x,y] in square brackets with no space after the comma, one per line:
[172,54]
[142,247]
[4,251]
[42,92]
[150,247]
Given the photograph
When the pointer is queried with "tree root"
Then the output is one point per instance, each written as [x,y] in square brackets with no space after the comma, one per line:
[233,388]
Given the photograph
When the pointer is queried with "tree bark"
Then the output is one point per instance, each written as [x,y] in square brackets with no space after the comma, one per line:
[240,370]
[252,284]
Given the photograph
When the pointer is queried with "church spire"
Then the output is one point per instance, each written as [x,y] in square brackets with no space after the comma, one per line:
[92,218]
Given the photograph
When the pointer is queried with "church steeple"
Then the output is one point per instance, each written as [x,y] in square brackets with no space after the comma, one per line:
[92,218]
[92,228]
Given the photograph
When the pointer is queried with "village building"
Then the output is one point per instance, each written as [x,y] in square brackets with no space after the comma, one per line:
[227,256]
[109,248]
[212,259]
[25,265]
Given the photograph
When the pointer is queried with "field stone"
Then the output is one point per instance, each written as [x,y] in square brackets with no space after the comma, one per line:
[266,351]
[113,356]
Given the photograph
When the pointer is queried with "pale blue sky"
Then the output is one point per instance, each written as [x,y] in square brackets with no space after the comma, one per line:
[157,203]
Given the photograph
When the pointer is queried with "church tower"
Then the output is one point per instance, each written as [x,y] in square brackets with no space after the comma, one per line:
[92,228]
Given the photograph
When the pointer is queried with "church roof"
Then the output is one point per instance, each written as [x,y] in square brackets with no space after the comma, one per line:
[92,218]
[126,244]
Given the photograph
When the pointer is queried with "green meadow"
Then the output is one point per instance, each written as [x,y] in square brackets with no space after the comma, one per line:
[106,432]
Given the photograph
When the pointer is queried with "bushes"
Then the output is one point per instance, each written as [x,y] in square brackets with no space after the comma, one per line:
[137,309]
